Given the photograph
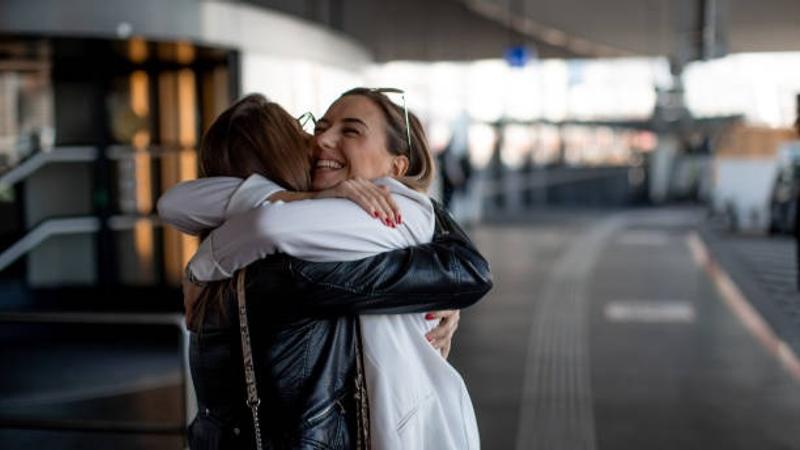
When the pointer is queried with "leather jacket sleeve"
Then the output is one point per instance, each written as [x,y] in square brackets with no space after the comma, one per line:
[448,273]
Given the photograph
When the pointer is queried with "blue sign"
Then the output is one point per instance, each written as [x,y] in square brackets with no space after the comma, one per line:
[518,56]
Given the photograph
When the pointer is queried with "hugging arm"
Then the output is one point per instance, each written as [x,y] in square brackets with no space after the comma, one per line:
[199,205]
[319,230]
[448,273]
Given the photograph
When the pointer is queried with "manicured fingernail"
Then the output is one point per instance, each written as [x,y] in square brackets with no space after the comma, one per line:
[430,339]
[375,214]
[399,219]
[429,316]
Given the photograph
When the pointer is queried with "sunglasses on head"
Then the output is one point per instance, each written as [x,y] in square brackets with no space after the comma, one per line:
[405,109]
[307,117]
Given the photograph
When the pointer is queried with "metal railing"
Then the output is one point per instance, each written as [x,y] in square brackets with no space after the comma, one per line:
[75,154]
[85,225]
[73,225]
[543,180]
[65,226]
[45,230]
[40,159]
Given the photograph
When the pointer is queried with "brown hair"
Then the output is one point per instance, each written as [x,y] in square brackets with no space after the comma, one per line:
[421,166]
[253,135]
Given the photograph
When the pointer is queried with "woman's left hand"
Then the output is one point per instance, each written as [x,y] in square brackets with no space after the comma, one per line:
[375,199]
[441,337]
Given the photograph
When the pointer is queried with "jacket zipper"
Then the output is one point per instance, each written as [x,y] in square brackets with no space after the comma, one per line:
[337,402]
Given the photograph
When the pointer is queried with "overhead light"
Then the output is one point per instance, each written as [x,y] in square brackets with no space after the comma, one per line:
[124,30]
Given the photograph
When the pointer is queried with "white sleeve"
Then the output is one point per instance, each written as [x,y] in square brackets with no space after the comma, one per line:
[253,192]
[197,205]
[314,230]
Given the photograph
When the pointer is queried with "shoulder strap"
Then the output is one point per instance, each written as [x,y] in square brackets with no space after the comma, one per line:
[361,396]
[253,402]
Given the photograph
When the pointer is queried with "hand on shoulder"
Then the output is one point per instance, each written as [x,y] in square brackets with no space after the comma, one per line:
[375,199]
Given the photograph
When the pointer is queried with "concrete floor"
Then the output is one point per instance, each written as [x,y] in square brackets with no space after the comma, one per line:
[602,332]
[63,373]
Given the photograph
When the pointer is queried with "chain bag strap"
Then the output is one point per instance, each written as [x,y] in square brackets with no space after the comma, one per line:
[253,402]
[361,397]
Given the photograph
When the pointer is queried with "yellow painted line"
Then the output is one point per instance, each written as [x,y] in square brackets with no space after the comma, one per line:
[744,311]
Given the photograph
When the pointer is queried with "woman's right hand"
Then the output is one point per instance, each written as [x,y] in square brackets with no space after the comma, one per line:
[376,200]
[441,337]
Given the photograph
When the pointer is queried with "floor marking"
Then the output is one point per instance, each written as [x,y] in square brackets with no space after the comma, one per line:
[556,409]
[648,238]
[650,311]
[737,302]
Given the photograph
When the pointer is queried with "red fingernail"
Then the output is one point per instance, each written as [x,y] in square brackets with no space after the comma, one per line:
[430,339]
[374,213]
[429,316]
[399,219]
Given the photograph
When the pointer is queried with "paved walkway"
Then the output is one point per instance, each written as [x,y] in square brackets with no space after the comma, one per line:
[764,268]
[606,332]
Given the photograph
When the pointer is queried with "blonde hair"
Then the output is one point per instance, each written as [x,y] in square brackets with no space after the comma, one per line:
[421,168]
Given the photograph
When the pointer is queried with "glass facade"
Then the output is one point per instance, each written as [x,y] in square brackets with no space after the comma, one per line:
[106,125]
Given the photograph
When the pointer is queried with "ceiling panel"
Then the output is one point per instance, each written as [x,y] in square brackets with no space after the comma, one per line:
[473,29]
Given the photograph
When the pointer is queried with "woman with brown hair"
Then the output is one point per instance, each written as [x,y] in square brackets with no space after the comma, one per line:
[359,138]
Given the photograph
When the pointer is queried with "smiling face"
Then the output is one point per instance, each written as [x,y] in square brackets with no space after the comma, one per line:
[349,142]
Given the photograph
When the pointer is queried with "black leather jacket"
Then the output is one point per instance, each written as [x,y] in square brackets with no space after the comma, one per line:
[305,336]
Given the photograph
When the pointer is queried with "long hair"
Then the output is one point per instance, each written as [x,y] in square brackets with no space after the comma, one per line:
[253,135]
[421,167]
